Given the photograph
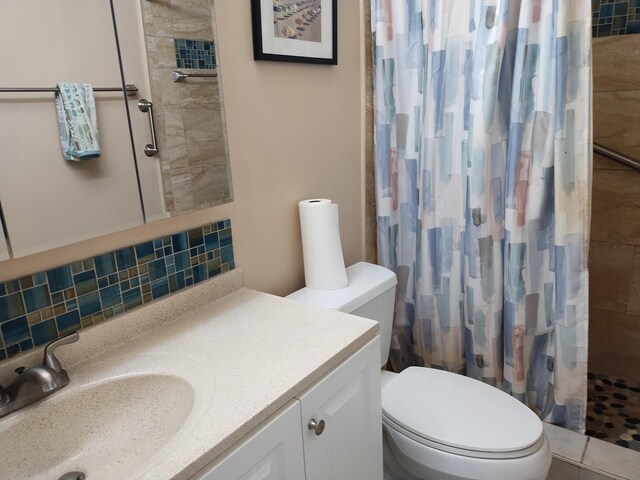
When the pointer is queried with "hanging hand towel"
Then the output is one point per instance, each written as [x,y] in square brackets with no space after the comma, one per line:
[77,121]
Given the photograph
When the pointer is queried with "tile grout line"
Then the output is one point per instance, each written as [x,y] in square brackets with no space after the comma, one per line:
[584,450]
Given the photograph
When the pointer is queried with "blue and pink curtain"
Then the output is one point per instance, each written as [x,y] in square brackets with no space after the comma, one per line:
[482,158]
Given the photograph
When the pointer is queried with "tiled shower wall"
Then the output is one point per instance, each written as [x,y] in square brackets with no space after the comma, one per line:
[614,260]
[39,308]
[615,17]
[189,115]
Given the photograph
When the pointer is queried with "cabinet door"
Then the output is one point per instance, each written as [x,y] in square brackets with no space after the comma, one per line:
[272,452]
[348,401]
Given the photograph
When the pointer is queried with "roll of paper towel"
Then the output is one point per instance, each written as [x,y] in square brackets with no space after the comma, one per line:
[321,247]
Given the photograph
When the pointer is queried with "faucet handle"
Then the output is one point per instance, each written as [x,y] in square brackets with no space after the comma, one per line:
[50,359]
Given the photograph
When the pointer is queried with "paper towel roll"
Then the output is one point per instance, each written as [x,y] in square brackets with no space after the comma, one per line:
[321,247]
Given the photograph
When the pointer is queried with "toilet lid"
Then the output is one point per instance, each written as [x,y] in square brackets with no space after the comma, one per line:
[458,411]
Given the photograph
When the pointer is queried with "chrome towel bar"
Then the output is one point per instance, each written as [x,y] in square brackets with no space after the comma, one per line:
[130,89]
[179,76]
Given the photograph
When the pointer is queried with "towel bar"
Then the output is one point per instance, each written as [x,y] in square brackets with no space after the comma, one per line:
[130,89]
[179,76]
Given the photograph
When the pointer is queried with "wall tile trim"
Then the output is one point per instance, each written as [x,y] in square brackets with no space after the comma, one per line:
[41,307]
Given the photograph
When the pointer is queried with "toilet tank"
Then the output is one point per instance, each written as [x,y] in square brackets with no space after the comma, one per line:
[370,294]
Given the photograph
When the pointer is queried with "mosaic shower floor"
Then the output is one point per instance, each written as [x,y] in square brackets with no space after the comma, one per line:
[613,410]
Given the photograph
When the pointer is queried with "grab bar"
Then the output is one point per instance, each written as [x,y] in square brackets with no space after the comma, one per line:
[130,89]
[616,156]
[145,106]
[179,76]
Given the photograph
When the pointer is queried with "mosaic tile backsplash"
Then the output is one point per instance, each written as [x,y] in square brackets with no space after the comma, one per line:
[615,17]
[39,308]
[194,53]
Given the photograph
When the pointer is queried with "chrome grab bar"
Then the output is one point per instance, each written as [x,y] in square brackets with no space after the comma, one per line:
[130,89]
[145,106]
[179,76]
[616,156]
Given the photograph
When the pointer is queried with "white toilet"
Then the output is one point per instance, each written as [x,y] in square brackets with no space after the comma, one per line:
[437,424]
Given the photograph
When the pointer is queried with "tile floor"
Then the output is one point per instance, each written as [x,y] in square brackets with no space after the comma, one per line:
[578,457]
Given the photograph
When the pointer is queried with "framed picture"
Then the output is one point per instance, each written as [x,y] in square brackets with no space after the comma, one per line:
[302,31]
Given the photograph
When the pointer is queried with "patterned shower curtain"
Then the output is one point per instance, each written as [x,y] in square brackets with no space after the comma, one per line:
[482,160]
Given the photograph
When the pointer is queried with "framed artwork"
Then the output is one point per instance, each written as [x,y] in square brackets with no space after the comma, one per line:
[302,31]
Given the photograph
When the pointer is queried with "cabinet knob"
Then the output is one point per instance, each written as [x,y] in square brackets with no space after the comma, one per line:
[316,426]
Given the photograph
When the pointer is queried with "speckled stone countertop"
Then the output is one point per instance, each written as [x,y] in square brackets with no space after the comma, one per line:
[211,363]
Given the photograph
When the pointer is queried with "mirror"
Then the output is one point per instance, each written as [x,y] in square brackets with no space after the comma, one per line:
[47,201]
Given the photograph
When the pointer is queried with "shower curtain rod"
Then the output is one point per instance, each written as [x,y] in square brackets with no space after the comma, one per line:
[616,156]
[130,89]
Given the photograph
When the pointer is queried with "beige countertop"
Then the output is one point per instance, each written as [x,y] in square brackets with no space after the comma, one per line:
[208,365]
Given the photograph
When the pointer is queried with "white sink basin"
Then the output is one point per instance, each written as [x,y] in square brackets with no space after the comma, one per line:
[107,429]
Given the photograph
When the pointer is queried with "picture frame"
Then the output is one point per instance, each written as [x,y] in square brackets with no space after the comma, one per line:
[302,31]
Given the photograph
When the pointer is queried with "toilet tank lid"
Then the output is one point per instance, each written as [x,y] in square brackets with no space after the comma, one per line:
[366,281]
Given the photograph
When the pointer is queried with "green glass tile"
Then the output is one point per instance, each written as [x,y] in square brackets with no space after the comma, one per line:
[57,297]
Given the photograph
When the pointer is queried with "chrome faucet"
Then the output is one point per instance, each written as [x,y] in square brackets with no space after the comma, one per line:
[35,383]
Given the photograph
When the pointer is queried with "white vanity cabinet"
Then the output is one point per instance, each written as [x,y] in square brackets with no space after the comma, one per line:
[288,447]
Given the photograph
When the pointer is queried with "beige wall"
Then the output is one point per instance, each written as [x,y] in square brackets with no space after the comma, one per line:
[614,257]
[295,131]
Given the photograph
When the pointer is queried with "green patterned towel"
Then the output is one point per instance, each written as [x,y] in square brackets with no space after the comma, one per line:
[77,121]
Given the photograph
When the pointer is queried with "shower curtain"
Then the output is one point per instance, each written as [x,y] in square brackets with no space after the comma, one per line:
[482,164]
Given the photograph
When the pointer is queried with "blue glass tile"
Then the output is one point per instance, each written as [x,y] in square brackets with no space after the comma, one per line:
[193,252]
[57,297]
[68,322]
[36,298]
[60,278]
[199,273]
[159,287]
[232,264]
[103,282]
[157,244]
[12,350]
[182,261]
[26,345]
[144,278]
[225,237]
[226,254]
[105,264]
[213,267]
[85,282]
[125,285]
[89,304]
[3,290]
[606,10]
[195,237]
[113,279]
[15,331]
[145,252]
[167,251]
[220,225]
[189,281]
[118,309]
[169,260]
[180,280]
[72,304]
[44,332]
[135,281]
[110,296]
[157,269]
[211,241]
[11,306]
[633,27]
[173,285]
[39,278]
[132,298]
[125,258]
[3,354]
[227,223]
[180,242]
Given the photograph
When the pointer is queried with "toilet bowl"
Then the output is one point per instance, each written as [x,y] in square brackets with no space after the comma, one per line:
[437,424]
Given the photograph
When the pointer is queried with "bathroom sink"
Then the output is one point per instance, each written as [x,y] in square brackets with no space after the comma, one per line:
[106,429]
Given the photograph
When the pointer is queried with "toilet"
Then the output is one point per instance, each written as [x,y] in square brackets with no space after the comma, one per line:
[437,424]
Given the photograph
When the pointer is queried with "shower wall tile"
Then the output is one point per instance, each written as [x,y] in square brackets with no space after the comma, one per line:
[39,308]
[633,305]
[611,266]
[615,63]
[615,17]
[614,343]
[616,120]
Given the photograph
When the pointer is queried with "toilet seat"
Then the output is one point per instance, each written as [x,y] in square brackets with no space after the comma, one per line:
[459,415]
